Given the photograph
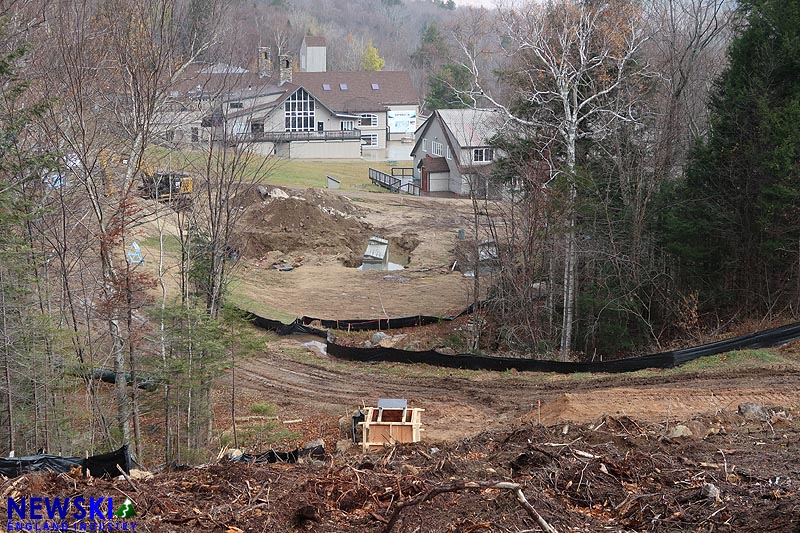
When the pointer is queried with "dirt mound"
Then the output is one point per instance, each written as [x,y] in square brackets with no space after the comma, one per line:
[311,221]
[293,224]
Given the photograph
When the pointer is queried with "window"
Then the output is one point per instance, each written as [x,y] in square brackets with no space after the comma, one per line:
[257,127]
[299,112]
[424,145]
[437,148]
[326,87]
[343,86]
[375,86]
[348,125]
[368,119]
[369,140]
[195,135]
[449,154]
[236,105]
[480,155]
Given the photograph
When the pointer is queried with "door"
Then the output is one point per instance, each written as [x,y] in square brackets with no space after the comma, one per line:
[424,179]
[320,127]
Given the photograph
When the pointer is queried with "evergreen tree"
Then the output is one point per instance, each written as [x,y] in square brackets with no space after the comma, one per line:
[25,335]
[448,88]
[733,222]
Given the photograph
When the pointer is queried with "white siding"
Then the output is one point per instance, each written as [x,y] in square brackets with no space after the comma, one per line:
[439,182]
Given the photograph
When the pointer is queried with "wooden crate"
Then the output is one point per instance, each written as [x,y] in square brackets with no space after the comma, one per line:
[387,426]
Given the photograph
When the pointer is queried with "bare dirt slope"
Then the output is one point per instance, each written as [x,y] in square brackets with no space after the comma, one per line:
[462,403]
[324,235]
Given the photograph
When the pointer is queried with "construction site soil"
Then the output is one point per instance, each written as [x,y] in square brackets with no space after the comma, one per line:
[616,473]
[310,221]
[589,452]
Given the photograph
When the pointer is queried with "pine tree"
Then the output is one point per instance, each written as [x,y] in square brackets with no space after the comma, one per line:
[448,88]
[733,223]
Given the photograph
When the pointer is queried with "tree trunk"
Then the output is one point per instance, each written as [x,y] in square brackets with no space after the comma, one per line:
[570,252]
[7,366]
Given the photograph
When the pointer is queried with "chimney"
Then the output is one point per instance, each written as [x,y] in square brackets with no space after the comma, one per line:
[264,62]
[285,68]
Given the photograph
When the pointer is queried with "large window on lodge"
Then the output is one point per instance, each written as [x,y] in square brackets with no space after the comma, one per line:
[299,112]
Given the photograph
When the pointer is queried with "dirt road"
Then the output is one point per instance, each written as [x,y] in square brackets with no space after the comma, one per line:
[459,404]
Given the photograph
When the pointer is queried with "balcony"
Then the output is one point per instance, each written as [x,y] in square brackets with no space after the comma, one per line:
[287,136]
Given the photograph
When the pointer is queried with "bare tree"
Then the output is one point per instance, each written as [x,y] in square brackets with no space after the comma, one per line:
[114,65]
[568,60]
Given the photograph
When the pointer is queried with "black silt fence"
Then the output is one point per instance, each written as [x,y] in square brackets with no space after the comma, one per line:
[102,465]
[762,339]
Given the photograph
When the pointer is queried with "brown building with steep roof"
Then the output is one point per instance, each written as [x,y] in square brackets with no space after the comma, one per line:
[316,115]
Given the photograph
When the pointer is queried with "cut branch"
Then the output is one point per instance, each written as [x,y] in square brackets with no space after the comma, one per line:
[470,485]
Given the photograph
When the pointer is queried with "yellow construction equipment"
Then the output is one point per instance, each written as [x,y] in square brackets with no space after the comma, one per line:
[166,186]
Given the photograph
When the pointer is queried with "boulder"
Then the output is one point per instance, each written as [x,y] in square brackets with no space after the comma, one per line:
[679,431]
[754,411]
[710,491]
[277,193]
[378,337]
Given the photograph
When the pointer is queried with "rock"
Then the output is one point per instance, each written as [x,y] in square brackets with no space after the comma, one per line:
[343,445]
[367,344]
[754,411]
[141,474]
[697,428]
[710,491]
[277,193]
[314,444]
[679,431]
[378,337]
[392,341]
[234,454]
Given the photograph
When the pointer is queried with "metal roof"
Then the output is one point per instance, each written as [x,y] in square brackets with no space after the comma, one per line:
[472,127]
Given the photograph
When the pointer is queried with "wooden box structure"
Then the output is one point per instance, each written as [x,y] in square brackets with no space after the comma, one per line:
[390,423]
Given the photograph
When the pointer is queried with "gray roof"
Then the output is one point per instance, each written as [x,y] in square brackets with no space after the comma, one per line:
[472,127]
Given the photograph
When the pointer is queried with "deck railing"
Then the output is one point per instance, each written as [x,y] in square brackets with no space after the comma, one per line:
[286,136]
[394,184]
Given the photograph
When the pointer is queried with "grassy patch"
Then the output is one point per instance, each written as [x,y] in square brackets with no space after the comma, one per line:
[353,174]
[237,298]
[172,245]
[264,409]
[738,359]
[255,436]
